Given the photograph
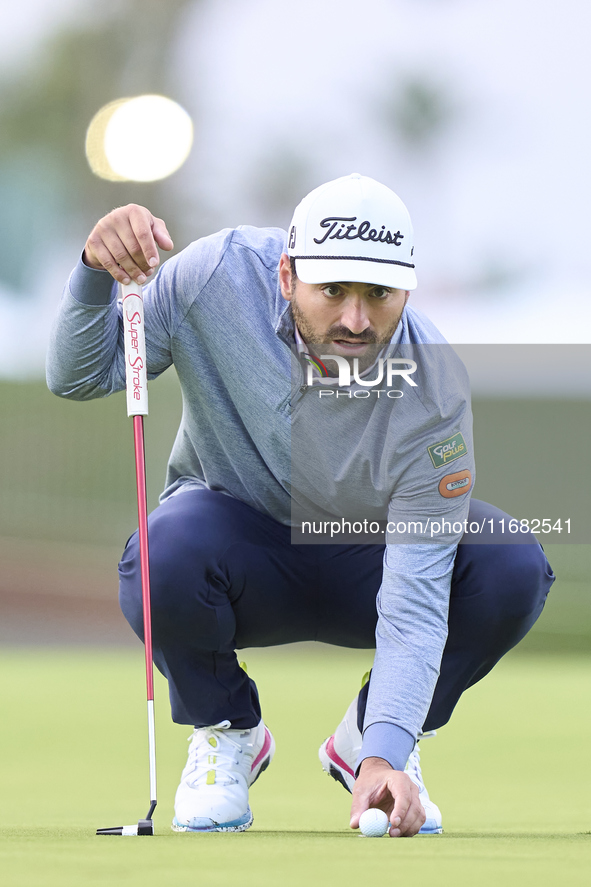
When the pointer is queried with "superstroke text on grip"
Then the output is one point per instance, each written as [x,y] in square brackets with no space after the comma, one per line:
[135,350]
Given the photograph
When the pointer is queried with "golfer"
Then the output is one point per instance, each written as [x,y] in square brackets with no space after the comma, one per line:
[318,489]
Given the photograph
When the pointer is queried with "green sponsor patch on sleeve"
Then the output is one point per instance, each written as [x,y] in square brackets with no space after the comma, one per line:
[447,450]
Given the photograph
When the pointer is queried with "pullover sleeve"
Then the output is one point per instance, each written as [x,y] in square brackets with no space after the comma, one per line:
[427,517]
[86,356]
[412,606]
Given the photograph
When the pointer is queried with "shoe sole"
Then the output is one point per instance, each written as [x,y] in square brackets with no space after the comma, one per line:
[236,826]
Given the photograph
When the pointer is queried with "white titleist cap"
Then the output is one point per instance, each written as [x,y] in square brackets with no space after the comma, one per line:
[353,229]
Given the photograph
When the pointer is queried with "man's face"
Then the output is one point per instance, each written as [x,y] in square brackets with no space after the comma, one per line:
[343,318]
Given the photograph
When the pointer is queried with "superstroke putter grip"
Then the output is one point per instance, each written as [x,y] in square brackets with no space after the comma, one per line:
[135,350]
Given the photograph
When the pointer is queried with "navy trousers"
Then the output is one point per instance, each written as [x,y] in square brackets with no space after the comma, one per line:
[224,577]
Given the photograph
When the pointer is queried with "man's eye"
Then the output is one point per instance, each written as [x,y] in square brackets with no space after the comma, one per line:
[380,292]
[332,290]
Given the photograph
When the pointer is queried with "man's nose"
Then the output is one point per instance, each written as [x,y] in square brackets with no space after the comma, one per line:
[354,315]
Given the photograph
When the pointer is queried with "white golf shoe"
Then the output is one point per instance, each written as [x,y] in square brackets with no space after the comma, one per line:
[222,765]
[338,756]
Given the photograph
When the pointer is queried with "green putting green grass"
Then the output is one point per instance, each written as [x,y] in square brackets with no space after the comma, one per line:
[511,772]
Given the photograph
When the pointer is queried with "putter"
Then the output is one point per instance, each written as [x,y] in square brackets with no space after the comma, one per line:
[137,407]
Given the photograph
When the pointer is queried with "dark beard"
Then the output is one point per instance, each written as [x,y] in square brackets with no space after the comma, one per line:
[318,345]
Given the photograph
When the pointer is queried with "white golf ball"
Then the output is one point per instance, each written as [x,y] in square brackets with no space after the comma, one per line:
[374,823]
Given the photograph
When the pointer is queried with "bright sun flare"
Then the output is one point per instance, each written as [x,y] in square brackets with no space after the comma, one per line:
[141,139]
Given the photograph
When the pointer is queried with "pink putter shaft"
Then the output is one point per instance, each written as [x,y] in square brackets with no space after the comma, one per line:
[142,510]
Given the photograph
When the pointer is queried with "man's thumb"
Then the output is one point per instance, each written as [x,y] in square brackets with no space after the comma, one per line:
[161,235]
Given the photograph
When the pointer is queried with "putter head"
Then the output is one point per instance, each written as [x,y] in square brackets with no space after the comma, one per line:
[143,827]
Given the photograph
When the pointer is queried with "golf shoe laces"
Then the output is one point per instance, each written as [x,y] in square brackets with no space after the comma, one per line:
[213,755]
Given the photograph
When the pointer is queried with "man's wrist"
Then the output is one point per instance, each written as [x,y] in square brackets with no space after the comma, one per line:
[95,290]
[89,263]
[374,763]
[388,742]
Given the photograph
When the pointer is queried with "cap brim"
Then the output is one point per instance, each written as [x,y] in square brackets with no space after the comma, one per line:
[357,271]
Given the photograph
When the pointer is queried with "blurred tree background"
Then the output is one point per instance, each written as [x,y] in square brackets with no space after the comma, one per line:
[123,49]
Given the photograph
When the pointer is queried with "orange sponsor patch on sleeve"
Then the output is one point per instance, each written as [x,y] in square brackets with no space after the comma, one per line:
[457,484]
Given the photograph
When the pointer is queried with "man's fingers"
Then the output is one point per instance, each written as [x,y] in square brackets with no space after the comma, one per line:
[360,805]
[414,827]
[379,796]
[125,243]
[115,258]
[409,827]
[408,814]
[136,232]
[138,258]
[399,813]
[149,232]
[98,256]
[161,235]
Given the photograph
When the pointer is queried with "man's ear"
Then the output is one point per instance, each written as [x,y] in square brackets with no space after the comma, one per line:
[285,278]
[406,295]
